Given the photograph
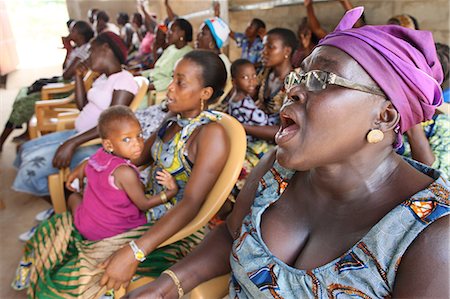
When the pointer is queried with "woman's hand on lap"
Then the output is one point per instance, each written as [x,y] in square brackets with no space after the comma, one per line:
[64,154]
[119,268]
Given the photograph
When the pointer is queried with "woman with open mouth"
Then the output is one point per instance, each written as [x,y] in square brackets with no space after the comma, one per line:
[333,211]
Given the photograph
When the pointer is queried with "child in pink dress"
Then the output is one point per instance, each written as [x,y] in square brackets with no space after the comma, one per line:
[113,200]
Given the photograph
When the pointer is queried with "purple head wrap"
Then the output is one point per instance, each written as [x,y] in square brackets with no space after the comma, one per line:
[403,62]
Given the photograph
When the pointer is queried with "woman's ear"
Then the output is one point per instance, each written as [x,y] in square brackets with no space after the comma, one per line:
[389,117]
[287,51]
[206,93]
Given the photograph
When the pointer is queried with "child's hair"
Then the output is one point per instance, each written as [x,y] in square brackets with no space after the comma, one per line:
[186,27]
[111,118]
[288,37]
[258,23]
[236,66]
[214,73]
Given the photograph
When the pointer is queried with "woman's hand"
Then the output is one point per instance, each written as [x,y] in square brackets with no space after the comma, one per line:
[81,69]
[77,173]
[119,268]
[64,154]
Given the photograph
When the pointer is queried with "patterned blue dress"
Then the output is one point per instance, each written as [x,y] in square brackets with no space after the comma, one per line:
[367,270]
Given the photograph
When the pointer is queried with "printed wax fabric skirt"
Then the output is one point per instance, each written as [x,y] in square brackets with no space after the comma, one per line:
[62,264]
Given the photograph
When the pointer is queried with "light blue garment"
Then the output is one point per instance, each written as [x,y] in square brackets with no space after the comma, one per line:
[34,161]
[367,270]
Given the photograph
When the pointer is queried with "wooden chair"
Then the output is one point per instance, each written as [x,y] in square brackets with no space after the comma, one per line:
[55,115]
[216,288]
[49,109]
[50,90]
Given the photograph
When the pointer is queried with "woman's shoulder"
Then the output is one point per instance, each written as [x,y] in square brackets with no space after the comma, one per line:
[124,80]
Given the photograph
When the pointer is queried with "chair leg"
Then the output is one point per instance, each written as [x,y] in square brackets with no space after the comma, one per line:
[56,188]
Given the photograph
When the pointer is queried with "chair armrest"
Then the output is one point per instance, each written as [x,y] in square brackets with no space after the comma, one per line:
[66,120]
[53,103]
[55,88]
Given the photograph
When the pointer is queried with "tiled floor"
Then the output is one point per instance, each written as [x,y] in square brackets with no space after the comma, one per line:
[19,209]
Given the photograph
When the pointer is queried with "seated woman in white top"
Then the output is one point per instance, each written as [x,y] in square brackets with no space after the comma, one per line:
[39,158]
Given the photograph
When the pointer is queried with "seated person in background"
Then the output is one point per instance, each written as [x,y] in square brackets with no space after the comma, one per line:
[307,42]
[23,107]
[251,41]
[80,34]
[314,24]
[160,44]
[143,58]
[139,31]
[333,211]
[41,157]
[112,202]
[126,29]
[103,24]
[240,100]
[178,37]
[212,36]
[193,148]
[279,45]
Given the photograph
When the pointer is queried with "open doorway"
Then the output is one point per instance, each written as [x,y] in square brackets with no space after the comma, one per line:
[37,27]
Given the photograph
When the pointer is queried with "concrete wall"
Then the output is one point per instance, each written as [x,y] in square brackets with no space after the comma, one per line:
[432,15]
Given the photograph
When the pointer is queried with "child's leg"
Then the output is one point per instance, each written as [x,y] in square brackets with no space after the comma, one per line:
[74,201]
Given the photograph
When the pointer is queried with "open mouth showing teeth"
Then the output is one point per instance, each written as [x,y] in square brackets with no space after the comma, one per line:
[288,129]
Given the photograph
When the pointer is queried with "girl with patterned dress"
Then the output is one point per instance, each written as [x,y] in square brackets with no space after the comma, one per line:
[279,45]
[333,211]
[193,148]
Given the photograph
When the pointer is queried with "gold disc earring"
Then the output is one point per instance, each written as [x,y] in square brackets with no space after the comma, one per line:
[375,136]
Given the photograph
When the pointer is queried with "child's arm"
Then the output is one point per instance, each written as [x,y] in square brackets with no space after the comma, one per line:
[126,179]
[77,173]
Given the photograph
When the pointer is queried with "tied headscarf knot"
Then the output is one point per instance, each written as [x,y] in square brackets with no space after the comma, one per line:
[403,62]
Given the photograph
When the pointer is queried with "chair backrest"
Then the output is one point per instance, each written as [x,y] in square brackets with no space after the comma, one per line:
[225,182]
[142,82]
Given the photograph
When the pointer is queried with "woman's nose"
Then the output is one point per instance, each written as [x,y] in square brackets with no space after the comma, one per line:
[297,94]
